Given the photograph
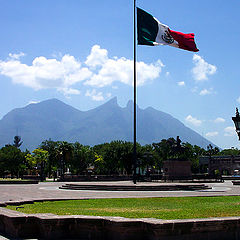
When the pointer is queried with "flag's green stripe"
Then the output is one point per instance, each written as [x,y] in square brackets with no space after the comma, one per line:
[147,28]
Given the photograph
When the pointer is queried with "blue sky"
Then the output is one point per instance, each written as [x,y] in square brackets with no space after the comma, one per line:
[81,52]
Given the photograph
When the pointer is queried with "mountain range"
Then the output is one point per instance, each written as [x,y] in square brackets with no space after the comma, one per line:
[55,120]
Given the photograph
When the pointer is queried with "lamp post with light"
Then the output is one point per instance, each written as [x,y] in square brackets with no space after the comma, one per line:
[236,121]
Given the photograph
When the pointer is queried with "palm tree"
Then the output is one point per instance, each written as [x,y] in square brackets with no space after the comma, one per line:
[64,152]
[17,141]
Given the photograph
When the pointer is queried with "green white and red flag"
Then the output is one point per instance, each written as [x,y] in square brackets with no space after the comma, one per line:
[152,32]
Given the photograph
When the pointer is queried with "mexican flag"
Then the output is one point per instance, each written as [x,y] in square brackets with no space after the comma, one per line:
[152,32]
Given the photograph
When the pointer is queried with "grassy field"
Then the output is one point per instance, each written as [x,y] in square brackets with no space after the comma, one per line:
[12,179]
[161,208]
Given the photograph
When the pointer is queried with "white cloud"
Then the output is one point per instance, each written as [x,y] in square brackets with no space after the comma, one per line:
[238,100]
[211,134]
[229,131]
[205,92]
[64,72]
[97,57]
[167,74]
[219,120]
[119,69]
[94,95]
[181,83]
[33,102]
[202,69]
[69,91]
[16,55]
[193,121]
[46,73]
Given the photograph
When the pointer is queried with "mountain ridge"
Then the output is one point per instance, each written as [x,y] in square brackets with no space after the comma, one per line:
[56,120]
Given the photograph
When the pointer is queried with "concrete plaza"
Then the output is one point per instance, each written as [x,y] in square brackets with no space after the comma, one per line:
[50,191]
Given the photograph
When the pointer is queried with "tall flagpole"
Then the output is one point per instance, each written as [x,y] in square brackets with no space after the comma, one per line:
[135,93]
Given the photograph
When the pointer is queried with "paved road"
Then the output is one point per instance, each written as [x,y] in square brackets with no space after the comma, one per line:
[50,190]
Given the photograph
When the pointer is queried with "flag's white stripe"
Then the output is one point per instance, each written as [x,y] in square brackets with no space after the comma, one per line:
[162,28]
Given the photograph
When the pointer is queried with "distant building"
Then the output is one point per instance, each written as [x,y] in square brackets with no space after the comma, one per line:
[224,165]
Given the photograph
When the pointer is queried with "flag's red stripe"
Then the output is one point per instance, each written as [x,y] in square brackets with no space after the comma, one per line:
[185,41]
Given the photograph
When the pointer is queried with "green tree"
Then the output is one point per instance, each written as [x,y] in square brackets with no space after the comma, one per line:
[38,159]
[117,157]
[150,158]
[197,153]
[212,150]
[64,153]
[12,161]
[99,163]
[167,149]
[82,157]
[231,151]
[52,164]
[109,154]
[164,149]
[124,156]
[190,155]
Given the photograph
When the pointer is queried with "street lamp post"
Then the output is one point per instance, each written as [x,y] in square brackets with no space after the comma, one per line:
[236,121]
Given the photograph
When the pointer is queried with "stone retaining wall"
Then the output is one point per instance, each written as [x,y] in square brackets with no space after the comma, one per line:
[49,226]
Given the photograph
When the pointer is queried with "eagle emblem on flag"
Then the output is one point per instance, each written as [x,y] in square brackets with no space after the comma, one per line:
[166,37]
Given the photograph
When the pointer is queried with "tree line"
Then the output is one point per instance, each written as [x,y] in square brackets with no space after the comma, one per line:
[54,158]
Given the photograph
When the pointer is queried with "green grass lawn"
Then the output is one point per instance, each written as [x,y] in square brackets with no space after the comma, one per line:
[12,179]
[161,208]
